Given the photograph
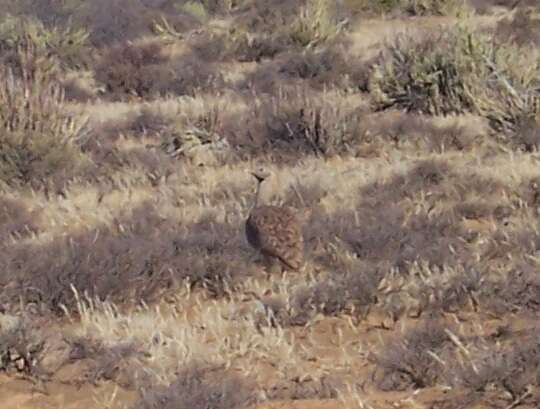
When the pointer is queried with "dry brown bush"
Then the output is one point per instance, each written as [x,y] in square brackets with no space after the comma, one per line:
[297,121]
[144,71]
[420,133]
[21,345]
[523,27]
[118,21]
[200,388]
[351,289]
[399,8]
[16,220]
[328,67]
[486,6]
[39,141]
[406,361]
[107,22]
[410,231]
[511,367]
[140,257]
[121,363]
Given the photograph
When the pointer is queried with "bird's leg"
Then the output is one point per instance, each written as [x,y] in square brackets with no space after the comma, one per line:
[261,262]
[272,265]
[269,264]
[255,257]
[275,268]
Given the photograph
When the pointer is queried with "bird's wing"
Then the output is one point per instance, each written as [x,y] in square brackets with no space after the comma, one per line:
[280,235]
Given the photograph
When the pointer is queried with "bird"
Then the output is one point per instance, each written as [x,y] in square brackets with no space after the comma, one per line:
[274,231]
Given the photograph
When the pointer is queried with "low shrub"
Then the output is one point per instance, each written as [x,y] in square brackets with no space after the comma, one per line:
[15,219]
[296,120]
[324,68]
[139,258]
[410,361]
[67,43]
[316,23]
[144,70]
[263,30]
[39,140]
[436,7]
[513,368]
[523,28]
[21,345]
[410,7]
[200,388]
[457,72]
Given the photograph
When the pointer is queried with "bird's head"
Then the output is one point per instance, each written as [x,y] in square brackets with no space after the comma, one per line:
[260,173]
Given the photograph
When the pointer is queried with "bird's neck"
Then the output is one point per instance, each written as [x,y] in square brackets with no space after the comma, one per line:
[265,193]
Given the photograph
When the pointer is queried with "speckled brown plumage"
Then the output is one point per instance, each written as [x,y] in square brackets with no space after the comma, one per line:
[276,232]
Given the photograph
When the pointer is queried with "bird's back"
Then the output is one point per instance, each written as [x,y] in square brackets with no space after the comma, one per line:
[276,232]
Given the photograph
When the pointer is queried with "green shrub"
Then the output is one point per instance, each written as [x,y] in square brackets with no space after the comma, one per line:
[316,23]
[457,72]
[265,29]
[66,43]
[196,10]
[38,139]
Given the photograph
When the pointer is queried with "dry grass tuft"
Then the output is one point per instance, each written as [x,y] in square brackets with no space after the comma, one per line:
[199,388]
[16,220]
[316,23]
[40,140]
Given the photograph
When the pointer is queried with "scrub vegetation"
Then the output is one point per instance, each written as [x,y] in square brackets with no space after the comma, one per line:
[409,128]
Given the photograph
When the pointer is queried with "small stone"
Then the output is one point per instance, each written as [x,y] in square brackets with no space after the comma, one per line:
[20,364]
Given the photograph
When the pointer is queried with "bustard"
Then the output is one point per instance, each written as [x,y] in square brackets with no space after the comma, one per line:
[275,231]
